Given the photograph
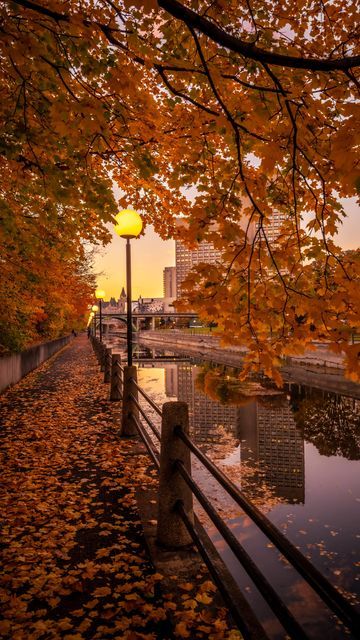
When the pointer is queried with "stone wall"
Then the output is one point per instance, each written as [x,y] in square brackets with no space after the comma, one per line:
[17,365]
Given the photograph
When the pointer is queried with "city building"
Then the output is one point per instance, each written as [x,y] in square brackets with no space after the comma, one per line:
[148,305]
[169,288]
[115,306]
[169,282]
[186,259]
[272,226]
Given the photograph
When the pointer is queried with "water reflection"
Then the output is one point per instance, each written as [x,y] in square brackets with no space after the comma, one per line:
[331,422]
[295,454]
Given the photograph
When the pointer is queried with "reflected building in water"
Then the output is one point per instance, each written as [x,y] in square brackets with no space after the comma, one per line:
[268,434]
[206,415]
[171,380]
[269,437]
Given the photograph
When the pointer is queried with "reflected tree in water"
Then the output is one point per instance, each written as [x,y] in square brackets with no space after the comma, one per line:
[332,424]
[222,384]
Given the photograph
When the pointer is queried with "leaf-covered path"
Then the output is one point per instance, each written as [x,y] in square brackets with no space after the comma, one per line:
[75,564]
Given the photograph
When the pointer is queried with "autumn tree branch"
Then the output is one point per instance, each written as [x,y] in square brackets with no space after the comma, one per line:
[250,50]
[218,35]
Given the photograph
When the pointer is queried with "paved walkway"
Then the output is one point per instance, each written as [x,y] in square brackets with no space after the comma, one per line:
[75,563]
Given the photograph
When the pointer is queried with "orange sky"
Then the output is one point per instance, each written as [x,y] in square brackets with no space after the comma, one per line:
[150,254]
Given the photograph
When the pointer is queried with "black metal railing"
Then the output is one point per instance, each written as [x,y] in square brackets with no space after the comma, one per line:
[327,592]
[334,600]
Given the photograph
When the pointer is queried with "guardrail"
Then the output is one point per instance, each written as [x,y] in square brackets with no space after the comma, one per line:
[177,525]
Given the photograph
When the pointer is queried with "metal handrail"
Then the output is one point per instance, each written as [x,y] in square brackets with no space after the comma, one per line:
[249,626]
[147,442]
[327,592]
[277,605]
[148,421]
[147,398]
[333,598]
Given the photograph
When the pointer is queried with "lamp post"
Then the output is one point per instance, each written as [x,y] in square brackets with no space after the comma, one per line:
[99,295]
[91,316]
[129,225]
[94,309]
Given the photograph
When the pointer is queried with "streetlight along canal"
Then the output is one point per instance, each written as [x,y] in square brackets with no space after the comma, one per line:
[295,453]
[129,225]
[100,295]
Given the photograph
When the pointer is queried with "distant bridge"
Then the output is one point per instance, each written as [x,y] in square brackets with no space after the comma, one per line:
[144,362]
[144,319]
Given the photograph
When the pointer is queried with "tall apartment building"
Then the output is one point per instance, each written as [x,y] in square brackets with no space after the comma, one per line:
[269,437]
[169,282]
[186,259]
[272,226]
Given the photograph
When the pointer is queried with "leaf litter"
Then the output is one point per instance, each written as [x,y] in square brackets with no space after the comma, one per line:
[74,560]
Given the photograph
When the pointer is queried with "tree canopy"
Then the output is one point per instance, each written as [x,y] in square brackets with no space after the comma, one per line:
[249,107]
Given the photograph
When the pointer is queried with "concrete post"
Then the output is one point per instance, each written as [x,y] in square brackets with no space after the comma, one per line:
[102,350]
[116,380]
[107,369]
[129,408]
[171,531]
[96,346]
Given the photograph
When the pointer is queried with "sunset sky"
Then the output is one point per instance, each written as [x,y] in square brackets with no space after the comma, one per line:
[150,254]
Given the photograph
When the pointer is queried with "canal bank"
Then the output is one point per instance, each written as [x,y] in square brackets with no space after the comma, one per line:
[319,368]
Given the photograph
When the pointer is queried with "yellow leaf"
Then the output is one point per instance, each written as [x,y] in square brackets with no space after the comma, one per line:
[102,591]
[186,586]
[181,630]
[5,626]
[91,604]
[65,625]
[203,598]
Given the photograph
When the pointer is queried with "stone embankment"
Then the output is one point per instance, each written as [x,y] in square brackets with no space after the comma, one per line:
[207,343]
[318,368]
[199,344]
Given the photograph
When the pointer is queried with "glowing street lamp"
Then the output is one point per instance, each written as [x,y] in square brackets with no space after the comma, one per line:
[91,317]
[99,295]
[129,225]
[94,309]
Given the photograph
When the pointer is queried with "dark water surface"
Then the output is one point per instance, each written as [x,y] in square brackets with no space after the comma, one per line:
[295,453]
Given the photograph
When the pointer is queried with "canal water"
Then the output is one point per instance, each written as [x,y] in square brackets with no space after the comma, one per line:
[295,452]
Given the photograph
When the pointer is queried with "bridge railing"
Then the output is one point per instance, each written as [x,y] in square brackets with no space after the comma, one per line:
[178,526]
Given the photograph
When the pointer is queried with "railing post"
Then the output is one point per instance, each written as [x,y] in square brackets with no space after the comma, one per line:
[129,408]
[102,351]
[116,381]
[107,368]
[171,530]
[96,347]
